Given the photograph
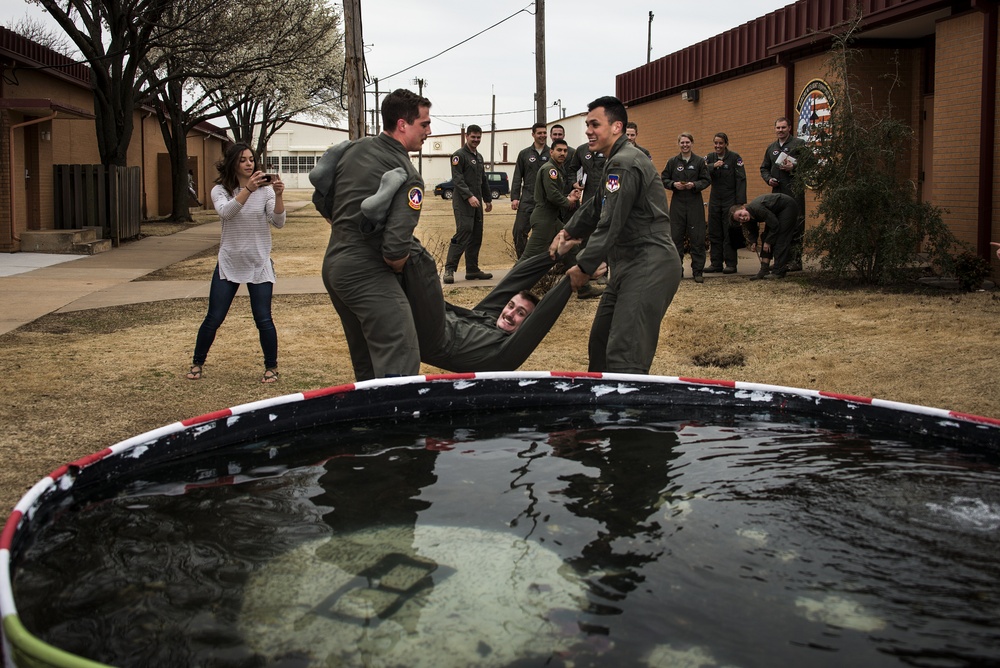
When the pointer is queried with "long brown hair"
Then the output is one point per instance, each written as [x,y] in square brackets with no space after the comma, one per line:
[230,162]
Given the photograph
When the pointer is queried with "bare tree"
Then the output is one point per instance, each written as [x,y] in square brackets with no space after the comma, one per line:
[302,76]
[39,33]
[117,38]
[235,46]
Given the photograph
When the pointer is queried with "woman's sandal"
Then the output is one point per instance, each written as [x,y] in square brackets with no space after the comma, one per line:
[194,373]
[270,376]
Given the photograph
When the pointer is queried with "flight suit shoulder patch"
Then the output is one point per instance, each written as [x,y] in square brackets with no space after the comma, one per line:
[553,174]
[454,160]
[416,198]
[613,184]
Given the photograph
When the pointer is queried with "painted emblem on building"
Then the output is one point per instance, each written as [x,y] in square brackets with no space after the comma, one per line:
[814,105]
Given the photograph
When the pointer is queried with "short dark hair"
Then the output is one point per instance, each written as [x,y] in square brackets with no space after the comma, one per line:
[536,126]
[613,109]
[529,297]
[559,142]
[723,136]
[631,125]
[779,119]
[473,128]
[401,104]
[558,126]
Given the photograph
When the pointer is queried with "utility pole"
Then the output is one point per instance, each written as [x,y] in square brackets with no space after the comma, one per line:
[378,110]
[420,156]
[354,64]
[493,134]
[540,106]
[649,38]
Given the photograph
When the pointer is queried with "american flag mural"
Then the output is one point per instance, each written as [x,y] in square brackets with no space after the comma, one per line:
[815,113]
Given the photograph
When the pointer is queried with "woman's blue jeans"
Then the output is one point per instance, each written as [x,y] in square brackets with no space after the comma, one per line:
[220,298]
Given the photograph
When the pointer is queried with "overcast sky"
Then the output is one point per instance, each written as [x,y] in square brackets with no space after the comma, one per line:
[586,46]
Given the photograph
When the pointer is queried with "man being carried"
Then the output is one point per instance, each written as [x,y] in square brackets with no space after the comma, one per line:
[500,332]
[472,197]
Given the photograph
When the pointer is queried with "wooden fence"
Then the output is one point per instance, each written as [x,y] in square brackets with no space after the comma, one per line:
[108,197]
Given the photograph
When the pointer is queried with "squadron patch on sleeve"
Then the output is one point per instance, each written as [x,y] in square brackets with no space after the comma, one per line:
[739,163]
[613,183]
[454,160]
[416,198]
[553,173]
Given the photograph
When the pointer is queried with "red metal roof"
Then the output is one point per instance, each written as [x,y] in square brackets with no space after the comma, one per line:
[27,53]
[758,44]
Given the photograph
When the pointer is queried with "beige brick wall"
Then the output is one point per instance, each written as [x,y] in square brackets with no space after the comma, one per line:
[744,108]
[956,121]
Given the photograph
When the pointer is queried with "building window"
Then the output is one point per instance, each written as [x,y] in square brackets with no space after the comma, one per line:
[298,164]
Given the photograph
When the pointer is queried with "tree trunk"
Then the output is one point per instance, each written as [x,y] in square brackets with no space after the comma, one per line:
[174,131]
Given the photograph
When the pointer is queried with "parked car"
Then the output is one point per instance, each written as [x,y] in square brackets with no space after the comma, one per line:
[499,185]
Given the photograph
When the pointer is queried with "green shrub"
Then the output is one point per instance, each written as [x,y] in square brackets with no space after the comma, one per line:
[872,226]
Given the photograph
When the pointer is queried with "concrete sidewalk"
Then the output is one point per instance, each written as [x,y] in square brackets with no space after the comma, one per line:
[34,284]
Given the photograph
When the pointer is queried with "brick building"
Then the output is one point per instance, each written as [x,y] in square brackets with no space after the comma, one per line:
[738,82]
[47,118]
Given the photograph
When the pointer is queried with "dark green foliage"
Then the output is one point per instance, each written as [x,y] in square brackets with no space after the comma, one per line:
[970,270]
[872,227]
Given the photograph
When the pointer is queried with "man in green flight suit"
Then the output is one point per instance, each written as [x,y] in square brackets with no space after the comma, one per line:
[472,198]
[685,176]
[552,206]
[631,231]
[500,332]
[368,250]
[778,171]
[522,184]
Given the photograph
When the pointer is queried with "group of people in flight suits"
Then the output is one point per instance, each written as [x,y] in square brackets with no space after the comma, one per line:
[385,287]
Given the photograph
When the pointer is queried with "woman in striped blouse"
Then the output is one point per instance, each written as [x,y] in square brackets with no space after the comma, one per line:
[248,202]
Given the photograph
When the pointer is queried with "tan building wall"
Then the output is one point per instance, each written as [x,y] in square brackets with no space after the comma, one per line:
[738,107]
[743,108]
[956,121]
[28,177]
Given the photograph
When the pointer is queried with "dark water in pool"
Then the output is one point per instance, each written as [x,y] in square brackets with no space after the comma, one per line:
[601,538]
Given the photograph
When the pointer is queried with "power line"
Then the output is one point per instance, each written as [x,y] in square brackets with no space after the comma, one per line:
[499,113]
[525,10]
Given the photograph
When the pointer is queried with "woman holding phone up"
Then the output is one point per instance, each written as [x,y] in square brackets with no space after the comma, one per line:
[248,201]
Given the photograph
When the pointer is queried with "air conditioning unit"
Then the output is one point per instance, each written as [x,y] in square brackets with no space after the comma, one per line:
[437,146]
[689,95]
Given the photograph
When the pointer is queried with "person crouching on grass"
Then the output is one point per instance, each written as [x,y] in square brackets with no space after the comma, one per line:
[778,212]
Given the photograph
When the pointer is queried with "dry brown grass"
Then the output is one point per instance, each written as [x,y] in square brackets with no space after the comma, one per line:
[77,382]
